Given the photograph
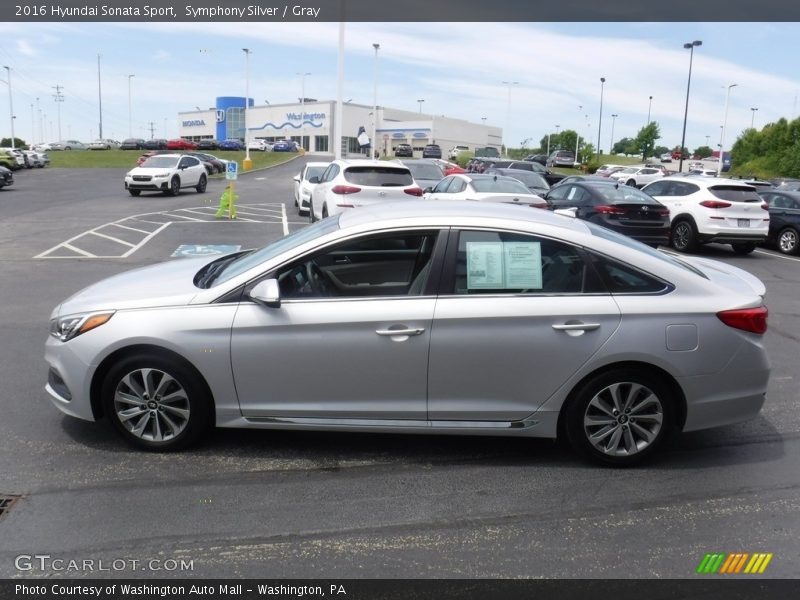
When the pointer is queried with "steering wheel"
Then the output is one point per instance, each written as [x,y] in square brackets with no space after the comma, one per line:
[317,280]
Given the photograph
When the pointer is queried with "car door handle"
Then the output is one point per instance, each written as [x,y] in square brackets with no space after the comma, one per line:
[392,332]
[577,327]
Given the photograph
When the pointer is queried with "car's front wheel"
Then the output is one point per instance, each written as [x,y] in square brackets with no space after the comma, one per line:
[619,417]
[683,236]
[631,182]
[156,403]
[788,241]
[175,186]
[201,185]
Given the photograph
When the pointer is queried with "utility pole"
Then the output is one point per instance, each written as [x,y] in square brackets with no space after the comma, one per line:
[99,98]
[10,106]
[152,129]
[41,126]
[59,98]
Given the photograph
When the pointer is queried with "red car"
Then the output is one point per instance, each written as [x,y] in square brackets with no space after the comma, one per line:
[181,144]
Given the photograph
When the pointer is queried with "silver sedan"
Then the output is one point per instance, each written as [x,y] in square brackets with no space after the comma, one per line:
[420,317]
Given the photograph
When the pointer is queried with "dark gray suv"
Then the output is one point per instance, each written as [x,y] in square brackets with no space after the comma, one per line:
[561,158]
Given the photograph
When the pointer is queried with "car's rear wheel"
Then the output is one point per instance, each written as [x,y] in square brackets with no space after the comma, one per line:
[156,403]
[619,417]
[788,241]
[201,185]
[134,192]
[324,211]
[744,247]
[684,236]
[175,186]
[631,182]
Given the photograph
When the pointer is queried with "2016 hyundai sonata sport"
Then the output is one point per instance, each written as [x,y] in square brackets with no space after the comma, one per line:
[422,318]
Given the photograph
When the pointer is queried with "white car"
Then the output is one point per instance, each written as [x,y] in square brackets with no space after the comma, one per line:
[167,173]
[36,159]
[666,157]
[102,145]
[637,176]
[259,145]
[456,150]
[18,156]
[710,209]
[353,183]
[68,145]
[303,187]
[485,188]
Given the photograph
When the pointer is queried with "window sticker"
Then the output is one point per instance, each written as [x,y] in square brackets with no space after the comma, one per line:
[504,265]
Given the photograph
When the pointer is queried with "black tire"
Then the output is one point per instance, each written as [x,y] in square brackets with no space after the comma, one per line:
[788,241]
[631,182]
[189,395]
[175,186]
[134,192]
[201,185]
[324,211]
[653,417]
[743,247]
[311,217]
[683,236]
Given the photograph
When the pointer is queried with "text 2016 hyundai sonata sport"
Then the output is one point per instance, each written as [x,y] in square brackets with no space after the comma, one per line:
[421,318]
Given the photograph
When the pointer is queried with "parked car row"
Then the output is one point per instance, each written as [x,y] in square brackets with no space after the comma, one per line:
[15,158]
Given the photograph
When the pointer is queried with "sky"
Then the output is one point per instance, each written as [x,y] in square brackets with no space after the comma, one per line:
[457,68]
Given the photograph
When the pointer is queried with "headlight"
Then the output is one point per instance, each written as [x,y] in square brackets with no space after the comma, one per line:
[70,326]
[160,175]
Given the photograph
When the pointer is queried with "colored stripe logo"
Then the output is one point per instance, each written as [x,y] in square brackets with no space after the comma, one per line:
[734,563]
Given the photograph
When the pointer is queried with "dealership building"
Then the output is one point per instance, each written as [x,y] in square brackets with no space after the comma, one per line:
[311,124]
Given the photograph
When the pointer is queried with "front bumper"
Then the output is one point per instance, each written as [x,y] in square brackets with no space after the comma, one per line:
[158,185]
[69,380]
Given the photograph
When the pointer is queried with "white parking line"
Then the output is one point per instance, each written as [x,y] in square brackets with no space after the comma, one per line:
[113,239]
[146,239]
[78,250]
[776,255]
[130,228]
[283,218]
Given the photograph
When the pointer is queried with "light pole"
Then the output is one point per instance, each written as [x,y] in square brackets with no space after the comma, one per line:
[690,46]
[130,112]
[302,107]
[753,117]
[649,106]
[483,120]
[707,138]
[724,124]
[611,142]
[510,84]
[600,121]
[372,145]
[99,98]
[10,105]
[577,136]
[247,163]
[420,101]
[337,122]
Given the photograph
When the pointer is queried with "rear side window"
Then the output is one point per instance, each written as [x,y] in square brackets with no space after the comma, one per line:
[378,176]
[620,278]
[734,193]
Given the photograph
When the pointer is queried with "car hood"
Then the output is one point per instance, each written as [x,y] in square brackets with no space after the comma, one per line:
[150,170]
[165,284]
[728,276]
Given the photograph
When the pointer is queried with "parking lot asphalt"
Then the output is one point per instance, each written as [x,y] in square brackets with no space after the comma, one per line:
[300,504]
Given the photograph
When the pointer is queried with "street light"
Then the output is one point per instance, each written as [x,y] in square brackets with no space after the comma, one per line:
[302,107]
[508,110]
[247,163]
[577,135]
[707,138]
[600,121]
[130,112]
[649,106]
[753,117]
[420,101]
[724,124]
[689,46]
[483,119]
[10,105]
[373,146]
[611,143]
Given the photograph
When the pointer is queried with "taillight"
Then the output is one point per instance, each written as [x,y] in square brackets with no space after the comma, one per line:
[753,320]
[415,191]
[609,210]
[715,204]
[345,189]
[765,206]
[663,212]
[537,205]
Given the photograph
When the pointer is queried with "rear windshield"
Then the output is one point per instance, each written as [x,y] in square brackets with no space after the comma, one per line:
[621,194]
[735,193]
[501,185]
[378,176]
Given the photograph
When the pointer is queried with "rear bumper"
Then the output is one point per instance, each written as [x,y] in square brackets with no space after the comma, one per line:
[730,238]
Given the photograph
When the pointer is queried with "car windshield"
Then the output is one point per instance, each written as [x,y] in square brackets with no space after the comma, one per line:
[293,240]
[621,194]
[160,162]
[425,171]
[502,185]
[378,176]
[613,236]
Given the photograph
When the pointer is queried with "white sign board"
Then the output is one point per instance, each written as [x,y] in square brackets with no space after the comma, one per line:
[232,172]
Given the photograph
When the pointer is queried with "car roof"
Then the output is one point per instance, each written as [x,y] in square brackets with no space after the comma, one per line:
[366,162]
[455,213]
[709,181]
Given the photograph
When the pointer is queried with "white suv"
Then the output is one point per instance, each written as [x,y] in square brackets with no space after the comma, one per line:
[638,176]
[167,173]
[710,209]
[455,151]
[353,183]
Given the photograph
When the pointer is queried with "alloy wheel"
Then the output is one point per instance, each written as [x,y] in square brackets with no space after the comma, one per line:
[151,405]
[787,241]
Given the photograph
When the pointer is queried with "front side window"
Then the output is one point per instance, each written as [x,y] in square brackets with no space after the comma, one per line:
[441,187]
[499,262]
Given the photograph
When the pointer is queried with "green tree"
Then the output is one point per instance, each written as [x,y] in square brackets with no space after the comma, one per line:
[646,138]
[659,150]
[620,146]
[703,152]
[18,143]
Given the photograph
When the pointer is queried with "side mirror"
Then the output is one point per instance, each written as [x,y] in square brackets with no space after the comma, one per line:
[296,178]
[567,212]
[427,190]
[267,293]
[314,179]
